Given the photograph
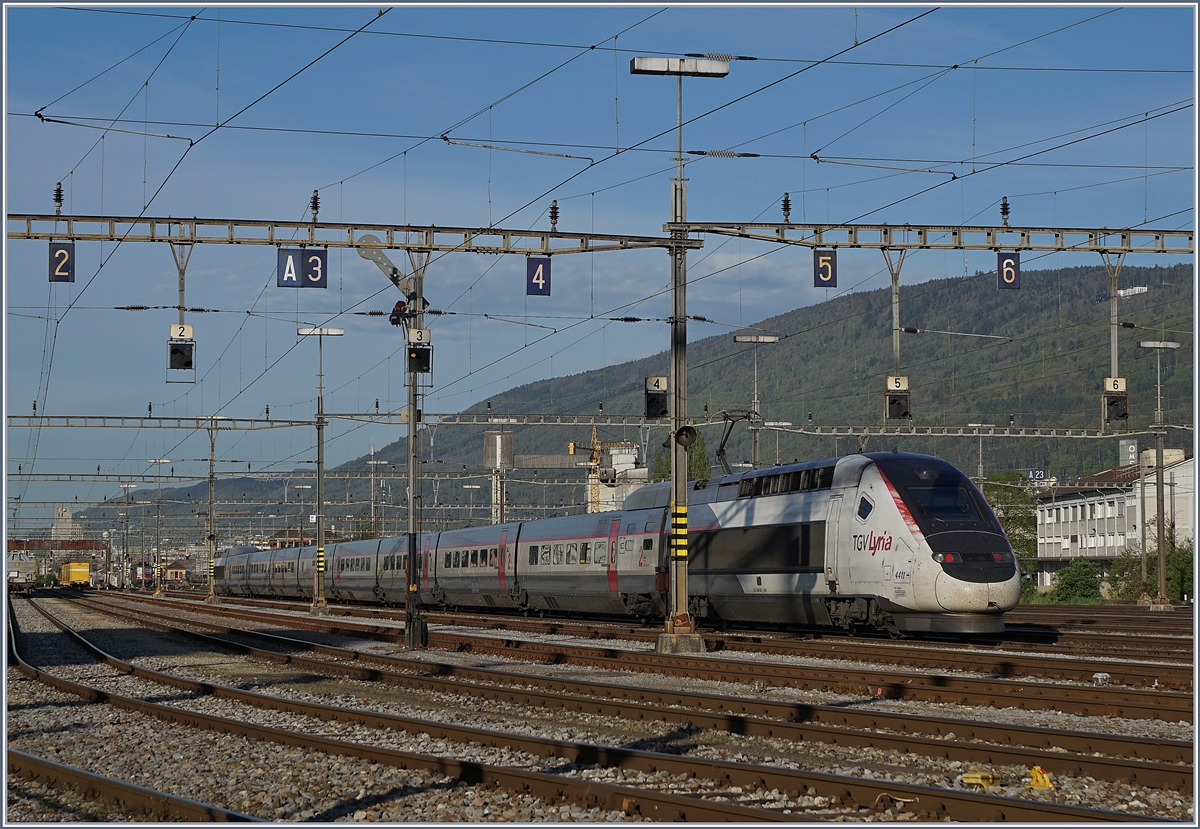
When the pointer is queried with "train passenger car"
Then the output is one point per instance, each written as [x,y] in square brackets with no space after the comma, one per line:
[892,541]
[474,567]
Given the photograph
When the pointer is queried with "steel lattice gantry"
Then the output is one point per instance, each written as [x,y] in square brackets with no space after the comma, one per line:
[952,237]
[323,234]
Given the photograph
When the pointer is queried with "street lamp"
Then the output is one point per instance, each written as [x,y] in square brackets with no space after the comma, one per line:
[471,507]
[755,425]
[1159,346]
[985,426]
[300,522]
[777,425]
[371,464]
[125,548]
[319,608]
[158,528]
[679,632]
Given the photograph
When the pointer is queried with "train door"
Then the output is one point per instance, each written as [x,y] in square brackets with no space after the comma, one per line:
[833,543]
[614,531]
[504,566]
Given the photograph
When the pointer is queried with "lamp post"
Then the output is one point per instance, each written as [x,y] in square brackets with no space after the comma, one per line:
[158,528]
[371,464]
[300,522]
[1159,346]
[777,424]
[984,426]
[319,607]
[679,633]
[125,548]
[755,423]
[471,501]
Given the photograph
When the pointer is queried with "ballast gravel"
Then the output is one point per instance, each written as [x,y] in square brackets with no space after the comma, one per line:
[279,783]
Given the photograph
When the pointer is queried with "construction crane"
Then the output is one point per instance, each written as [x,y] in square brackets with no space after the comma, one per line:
[595,464]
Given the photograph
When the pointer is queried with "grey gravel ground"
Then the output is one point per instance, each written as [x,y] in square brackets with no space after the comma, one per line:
[289,784]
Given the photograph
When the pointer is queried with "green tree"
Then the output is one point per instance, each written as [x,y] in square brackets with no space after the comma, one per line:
[1125,572]
[1180,573]
[1010,498]
[699,463]
[1077,583]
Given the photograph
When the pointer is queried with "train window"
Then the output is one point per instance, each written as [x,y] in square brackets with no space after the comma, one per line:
[864,508]
[492,556]
[545,554]
[583,552]
[558,554]
[447,563]
[647,543]
[474,558]
[783,547]
[651,527]
[572,553]
[533,554]
[630,528]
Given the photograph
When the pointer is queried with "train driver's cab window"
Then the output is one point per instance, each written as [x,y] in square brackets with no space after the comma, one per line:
[864,508]
[647,543]
[572,553]
[533,554]
[583,552]
[545,554]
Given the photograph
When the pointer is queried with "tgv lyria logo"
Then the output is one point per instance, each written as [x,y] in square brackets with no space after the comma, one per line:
[872,542]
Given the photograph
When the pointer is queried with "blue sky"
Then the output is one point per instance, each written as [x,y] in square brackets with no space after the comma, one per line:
[1113,86]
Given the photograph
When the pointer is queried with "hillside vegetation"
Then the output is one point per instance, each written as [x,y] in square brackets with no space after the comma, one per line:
[831,362]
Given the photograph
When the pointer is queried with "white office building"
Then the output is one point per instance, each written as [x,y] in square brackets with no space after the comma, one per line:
[1097,516]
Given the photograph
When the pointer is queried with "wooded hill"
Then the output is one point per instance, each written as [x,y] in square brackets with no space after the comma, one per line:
[833,357]
[831,362]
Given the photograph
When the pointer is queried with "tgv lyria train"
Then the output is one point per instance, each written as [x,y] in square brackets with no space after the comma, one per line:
[899,542]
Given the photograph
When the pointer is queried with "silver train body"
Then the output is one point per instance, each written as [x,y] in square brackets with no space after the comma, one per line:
[897,542]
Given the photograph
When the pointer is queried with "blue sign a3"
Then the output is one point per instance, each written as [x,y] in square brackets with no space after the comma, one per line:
[302,268]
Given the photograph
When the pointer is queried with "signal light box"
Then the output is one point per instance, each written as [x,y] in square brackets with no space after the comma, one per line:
[656,398]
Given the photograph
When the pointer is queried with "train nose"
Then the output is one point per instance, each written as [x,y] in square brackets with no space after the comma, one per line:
[961,596]
[1005,595]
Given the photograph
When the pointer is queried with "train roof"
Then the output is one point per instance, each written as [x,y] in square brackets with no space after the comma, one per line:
[654,496]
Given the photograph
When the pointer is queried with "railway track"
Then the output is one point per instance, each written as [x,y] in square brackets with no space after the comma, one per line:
[856,793]
[1038,637]
[135,802]
[847,793]
[921,735]
[999,692]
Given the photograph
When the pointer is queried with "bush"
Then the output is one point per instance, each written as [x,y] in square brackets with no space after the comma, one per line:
[1125,573]
[1077,583]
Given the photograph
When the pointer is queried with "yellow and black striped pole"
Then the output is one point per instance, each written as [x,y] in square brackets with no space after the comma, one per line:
[679,621]
[319,572]
[679,528]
